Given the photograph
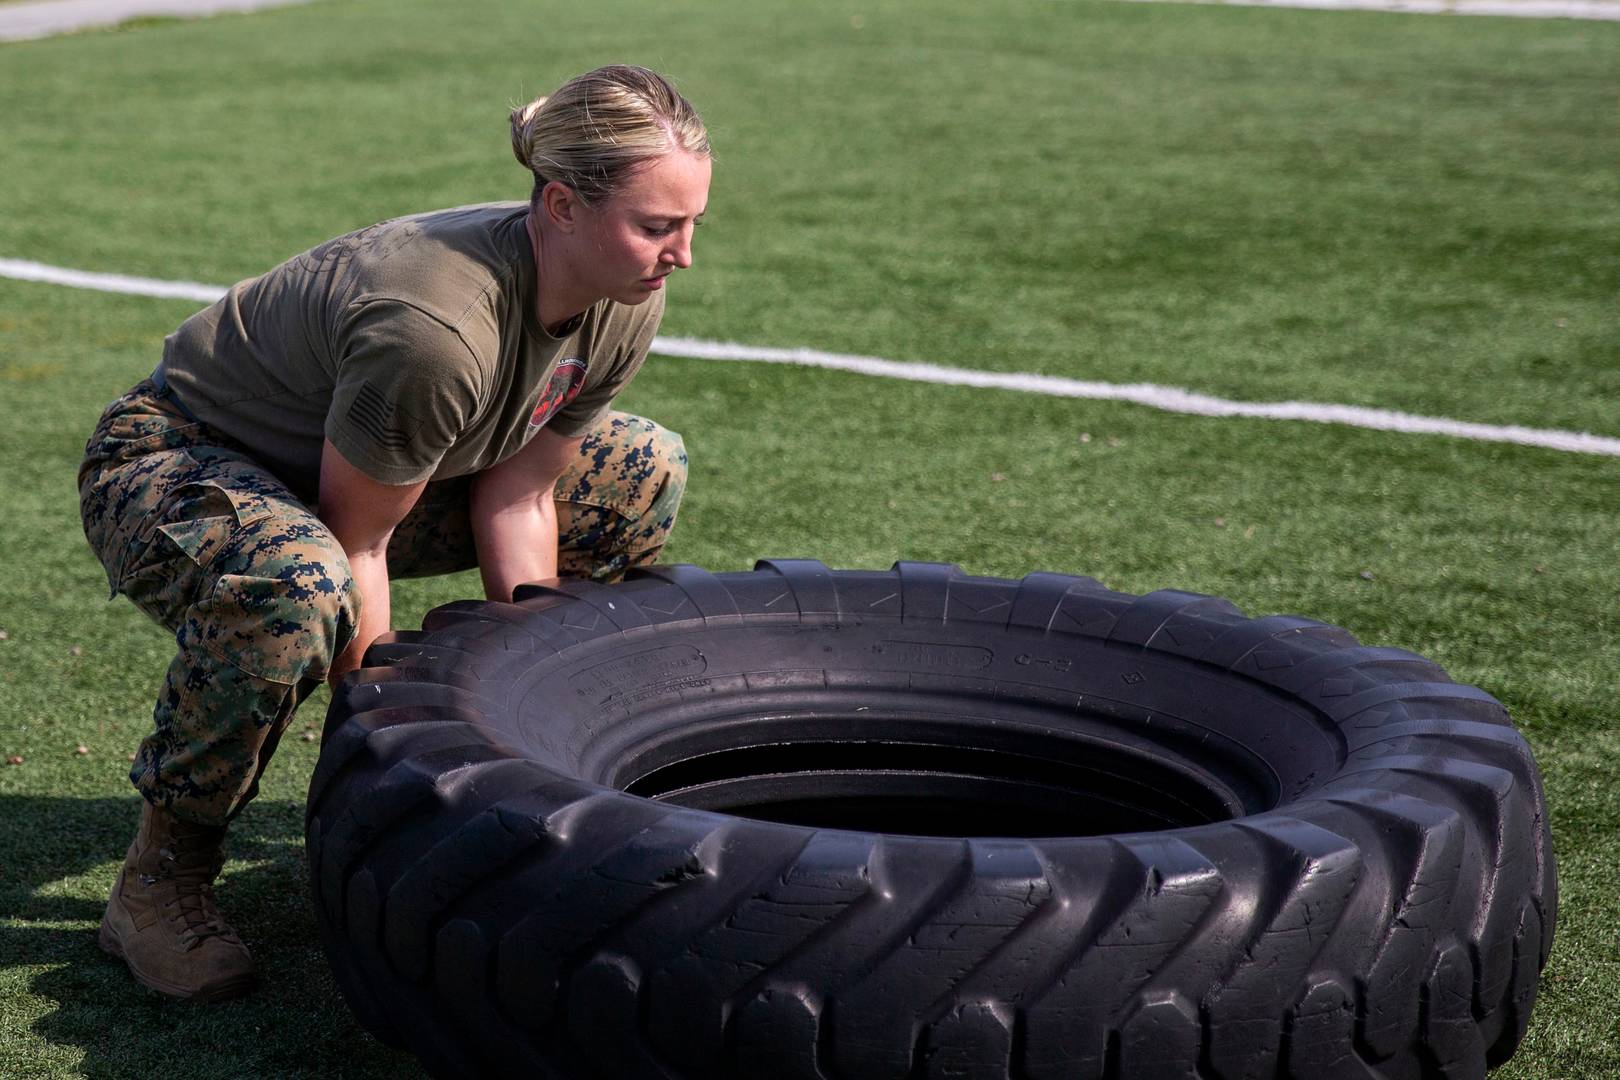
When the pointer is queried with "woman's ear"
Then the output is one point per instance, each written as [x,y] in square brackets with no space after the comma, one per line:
[559,205]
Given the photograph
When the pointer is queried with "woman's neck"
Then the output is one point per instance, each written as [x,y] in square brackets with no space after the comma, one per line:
[552,306]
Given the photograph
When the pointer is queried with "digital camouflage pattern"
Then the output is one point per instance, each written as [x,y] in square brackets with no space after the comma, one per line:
[258,592]
[615,508]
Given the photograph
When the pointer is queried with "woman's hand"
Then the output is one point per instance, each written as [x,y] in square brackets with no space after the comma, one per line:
[514,521]
[362,513]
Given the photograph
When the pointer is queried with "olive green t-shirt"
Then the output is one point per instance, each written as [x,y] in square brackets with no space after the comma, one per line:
[414,345]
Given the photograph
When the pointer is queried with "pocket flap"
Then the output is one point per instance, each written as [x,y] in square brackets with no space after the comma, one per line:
[200,538]
[205,515]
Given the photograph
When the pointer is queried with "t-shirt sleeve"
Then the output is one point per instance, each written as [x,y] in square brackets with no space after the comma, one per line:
[623,349]
[407,387]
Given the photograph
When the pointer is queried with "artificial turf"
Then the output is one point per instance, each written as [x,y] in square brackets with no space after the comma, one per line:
[1403,212]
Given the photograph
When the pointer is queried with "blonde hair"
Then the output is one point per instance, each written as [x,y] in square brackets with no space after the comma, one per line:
[598,127]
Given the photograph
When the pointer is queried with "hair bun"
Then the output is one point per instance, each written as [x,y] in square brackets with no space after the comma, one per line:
[595,129]
[523,130]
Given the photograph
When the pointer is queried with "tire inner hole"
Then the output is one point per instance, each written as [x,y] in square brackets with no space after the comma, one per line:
[929,789]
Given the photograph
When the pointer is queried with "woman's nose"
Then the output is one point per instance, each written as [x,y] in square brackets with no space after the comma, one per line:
[679,254]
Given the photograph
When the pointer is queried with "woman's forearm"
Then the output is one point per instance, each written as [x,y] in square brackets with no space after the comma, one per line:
[515,545]
[514,519]
[362,513]
[370,573]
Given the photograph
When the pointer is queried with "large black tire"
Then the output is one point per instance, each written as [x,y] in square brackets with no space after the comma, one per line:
[799,823]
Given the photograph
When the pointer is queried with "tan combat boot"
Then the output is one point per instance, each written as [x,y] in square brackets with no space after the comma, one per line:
[161,919]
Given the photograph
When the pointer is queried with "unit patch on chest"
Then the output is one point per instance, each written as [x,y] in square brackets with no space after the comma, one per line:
[563,385]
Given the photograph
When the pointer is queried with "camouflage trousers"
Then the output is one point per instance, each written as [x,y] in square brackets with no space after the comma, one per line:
[257,590]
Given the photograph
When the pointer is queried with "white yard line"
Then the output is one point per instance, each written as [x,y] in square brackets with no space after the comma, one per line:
[22,270]
[1606,10]
[1168,398]
[24,22]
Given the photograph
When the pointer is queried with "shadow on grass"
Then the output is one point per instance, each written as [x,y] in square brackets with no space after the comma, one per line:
[60,856]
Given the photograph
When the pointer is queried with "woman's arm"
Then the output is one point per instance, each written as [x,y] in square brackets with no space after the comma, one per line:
[514,521]
[362,513]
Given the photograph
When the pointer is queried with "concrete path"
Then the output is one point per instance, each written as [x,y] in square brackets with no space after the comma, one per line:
[42,18]
[21,22]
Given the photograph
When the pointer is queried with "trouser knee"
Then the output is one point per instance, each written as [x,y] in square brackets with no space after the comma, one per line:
[283,623]
[618,507]
[668,452]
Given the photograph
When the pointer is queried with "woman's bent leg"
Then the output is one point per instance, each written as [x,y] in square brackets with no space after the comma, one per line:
[615,508]
[259,596]
[617,504]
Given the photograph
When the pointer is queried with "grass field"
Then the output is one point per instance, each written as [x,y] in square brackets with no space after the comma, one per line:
[1410,213]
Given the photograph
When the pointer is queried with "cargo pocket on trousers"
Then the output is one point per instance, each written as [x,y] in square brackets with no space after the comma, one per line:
[171,569]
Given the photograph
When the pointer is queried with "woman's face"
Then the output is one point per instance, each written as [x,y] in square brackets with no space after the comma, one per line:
[637,237]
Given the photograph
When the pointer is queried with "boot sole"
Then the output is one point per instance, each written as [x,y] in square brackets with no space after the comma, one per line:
[230,988]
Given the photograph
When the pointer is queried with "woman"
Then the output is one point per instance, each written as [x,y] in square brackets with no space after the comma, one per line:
[421,396]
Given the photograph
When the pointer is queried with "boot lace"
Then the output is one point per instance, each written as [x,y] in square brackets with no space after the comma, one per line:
[190,865]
